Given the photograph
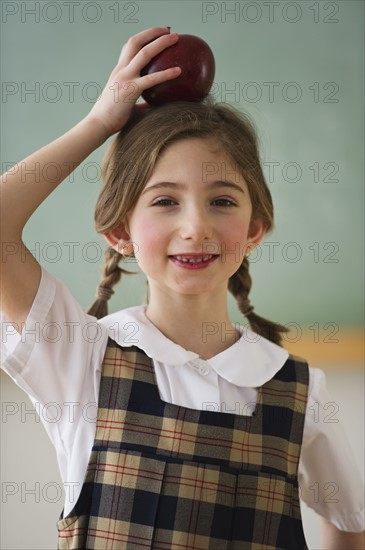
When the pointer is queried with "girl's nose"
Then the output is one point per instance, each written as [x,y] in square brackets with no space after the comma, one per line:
[196,225]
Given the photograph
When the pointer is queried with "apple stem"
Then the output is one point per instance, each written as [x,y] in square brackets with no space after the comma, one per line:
[168,28]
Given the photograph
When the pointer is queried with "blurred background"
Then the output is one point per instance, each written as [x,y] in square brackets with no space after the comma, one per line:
[297,68]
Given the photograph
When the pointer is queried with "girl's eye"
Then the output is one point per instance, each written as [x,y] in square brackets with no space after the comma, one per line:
[224,202]
[164,202]
[216,202]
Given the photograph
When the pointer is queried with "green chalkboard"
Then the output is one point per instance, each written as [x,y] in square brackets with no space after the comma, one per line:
[296,67]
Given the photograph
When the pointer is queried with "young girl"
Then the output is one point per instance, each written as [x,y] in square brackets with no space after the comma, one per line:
[204,433]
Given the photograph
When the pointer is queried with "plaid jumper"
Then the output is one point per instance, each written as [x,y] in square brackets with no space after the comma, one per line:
[166,477]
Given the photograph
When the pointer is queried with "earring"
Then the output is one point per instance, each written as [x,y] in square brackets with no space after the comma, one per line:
[248,252]
[125,249]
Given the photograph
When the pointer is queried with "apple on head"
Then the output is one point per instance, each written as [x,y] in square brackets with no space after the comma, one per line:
[196,60]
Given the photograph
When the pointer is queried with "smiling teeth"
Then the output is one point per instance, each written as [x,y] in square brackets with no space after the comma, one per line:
[194,260]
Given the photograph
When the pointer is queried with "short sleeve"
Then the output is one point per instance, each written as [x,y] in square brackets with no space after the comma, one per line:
[329,477]
[56,357]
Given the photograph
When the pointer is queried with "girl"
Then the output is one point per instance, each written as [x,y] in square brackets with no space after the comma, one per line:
[203,430]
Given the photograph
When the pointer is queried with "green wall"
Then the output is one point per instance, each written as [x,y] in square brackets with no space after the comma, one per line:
[296,67]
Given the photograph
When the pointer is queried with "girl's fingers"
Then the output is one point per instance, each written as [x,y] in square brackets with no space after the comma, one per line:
[131,90]
[149,51]
[153,79]
[136,42]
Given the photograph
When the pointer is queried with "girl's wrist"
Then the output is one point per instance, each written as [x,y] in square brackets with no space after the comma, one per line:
[97,129]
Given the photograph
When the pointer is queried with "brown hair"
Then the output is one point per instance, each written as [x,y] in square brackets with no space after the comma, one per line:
[129,163]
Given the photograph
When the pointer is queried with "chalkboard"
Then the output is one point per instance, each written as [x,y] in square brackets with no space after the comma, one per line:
[295,67]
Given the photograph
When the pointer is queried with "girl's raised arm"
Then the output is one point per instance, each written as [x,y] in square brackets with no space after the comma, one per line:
[24,187]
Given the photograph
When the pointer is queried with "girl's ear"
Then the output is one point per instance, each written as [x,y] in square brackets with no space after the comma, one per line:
[118,237]
[257,231]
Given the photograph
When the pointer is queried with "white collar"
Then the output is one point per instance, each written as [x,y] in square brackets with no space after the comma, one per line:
[250,362]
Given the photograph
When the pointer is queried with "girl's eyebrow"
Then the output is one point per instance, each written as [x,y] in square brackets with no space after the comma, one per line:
[175,185]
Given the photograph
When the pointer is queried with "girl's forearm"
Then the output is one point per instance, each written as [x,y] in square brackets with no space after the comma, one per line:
[27,184]
[334,539]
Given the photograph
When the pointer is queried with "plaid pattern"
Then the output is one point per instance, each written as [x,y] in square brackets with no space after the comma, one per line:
[166,477]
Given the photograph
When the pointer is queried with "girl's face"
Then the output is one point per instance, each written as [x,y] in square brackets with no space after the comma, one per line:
[192,223]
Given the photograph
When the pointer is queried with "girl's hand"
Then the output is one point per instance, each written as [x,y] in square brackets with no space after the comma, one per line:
[118,99]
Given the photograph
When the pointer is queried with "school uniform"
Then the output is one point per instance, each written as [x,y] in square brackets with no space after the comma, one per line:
[173,390]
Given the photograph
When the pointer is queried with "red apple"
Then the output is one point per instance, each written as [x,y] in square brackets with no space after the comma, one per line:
[196,60]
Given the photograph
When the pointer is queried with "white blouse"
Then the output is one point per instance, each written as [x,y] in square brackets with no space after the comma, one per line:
[57,361]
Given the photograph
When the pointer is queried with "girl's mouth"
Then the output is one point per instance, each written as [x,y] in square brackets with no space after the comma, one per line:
[193,261]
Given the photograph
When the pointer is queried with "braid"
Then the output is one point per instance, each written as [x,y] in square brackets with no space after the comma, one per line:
[240,285]
[111,276]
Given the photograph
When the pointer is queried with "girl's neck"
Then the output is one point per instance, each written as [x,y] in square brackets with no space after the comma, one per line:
[197,323]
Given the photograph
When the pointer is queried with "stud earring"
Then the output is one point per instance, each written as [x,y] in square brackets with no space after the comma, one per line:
[127,250]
